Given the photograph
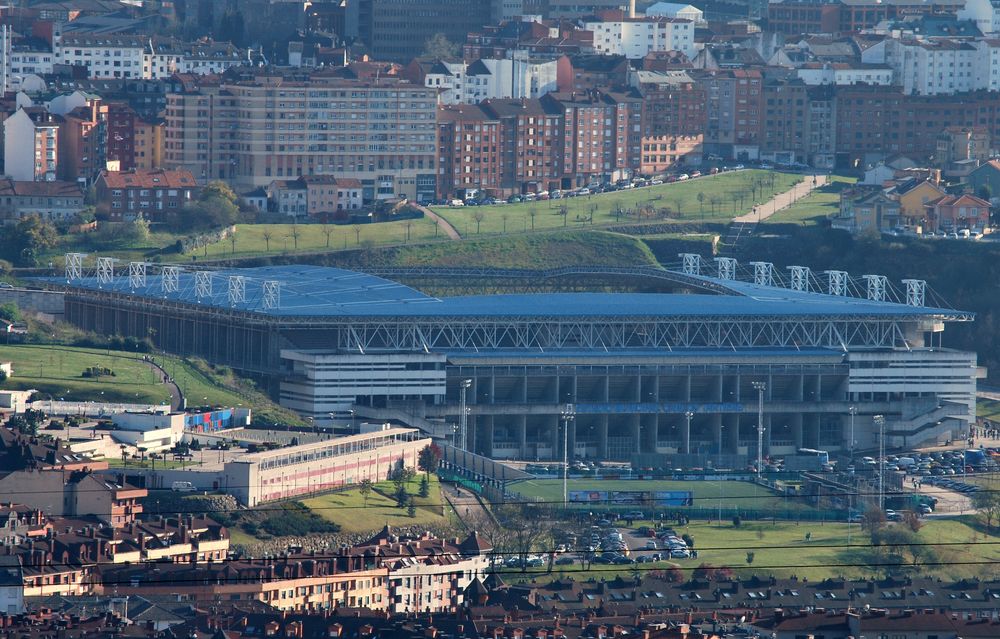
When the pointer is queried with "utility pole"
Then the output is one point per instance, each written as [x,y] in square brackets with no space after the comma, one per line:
[568,415]
[687,438]
[853,410]
[760,387]
[463,418]
[880,421]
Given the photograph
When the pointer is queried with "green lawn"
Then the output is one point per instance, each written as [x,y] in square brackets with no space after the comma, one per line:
[116,462]
[57,371]
[833,549]
[679,196]
[537,251]
[988,408]
[815,207]
[349,510]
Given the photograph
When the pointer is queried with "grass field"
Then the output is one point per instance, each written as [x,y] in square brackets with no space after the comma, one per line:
[533,251]
[988,408]
[815,207]
[349,510]
[833,549]
[57,371]
[680,197]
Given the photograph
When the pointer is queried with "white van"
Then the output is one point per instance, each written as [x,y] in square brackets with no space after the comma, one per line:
[182,487]
[906,462]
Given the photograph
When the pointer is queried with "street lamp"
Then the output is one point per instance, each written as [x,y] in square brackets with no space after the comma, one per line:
[760,387]
[687,433]
[463,418]
[852,410]
[880,422]
[568,415]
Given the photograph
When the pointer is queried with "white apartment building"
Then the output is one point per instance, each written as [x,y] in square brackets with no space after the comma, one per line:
[636,37]
[126,56]
[985,13]
[676,10]
[489,79]
[844,75]
[937,67]
[447,78]
[30,147]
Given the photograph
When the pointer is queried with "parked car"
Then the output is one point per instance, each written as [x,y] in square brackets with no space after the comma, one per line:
[680,553]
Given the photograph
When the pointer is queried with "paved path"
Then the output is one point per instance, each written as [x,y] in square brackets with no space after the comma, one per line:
[467,507]
[783,200]
[176,397]
[445,225]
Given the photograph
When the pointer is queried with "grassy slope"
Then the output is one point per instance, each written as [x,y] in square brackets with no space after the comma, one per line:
[815,207]
[543,250]
[348,509]
[682,195]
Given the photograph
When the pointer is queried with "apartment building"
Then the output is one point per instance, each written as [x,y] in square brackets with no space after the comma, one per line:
[83,141]
[31,145]
[733,112]
[381,132]
[635,38]
[531,143]
[398,30]
[487,79]
[142,56]
[126,195]
[933,67]
[470,151]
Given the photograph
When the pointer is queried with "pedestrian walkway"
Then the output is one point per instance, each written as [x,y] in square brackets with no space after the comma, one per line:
[442,223]
[783,200]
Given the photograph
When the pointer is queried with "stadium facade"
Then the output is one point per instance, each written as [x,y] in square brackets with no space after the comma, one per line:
[648,373]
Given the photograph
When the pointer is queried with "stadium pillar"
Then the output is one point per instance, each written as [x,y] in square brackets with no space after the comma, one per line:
[602,437]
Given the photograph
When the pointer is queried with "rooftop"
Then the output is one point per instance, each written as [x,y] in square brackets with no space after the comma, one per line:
[314,291]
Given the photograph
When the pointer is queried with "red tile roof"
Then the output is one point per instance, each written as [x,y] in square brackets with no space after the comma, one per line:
[149,179]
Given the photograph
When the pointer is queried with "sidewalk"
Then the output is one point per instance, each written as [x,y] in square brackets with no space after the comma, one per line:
[783,200]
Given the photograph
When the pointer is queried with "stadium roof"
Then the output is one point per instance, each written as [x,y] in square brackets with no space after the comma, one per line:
[324,292]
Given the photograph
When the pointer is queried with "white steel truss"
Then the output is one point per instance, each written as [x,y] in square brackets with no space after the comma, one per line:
[763,273]
[877,286]
[837,282]
[237,290]
[170,279]
[136,275]
[916,292]
[727,268]
[202,284]
[271,294]
[74,266]
[690,263]
[105,270]
[799,279]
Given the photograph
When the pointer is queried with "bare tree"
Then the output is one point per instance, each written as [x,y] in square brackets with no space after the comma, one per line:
[267,235]
[478,216]
[564,212]
[409,224]
[529,529]
[357,235]
[327,231]
[296,234]
[532,213]
[232,239]
[504,217]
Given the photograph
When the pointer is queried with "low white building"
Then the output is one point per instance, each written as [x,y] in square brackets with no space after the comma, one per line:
[489,79]
[635,38]
[447,77]
[844,75]
[985,13]
[139,56]
[676,10]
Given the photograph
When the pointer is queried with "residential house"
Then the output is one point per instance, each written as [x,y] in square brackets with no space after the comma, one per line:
[956,212]
[50,200]
[985,181]
[151,194]
[289,197]
[961,149]
[326,195]
[913,196]
[866,209]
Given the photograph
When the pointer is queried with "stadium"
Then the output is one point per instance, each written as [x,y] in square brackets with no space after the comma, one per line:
[679,372]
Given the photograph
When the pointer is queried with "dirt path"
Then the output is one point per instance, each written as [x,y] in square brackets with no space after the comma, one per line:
[445,225]
[783,200]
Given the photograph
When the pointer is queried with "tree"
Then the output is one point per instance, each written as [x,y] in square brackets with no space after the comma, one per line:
[478,216]
[750,556]
[527,526]
[429,459]
[532,213]
[701,203]
[564,212]
[872,521]
[327,231]
[425,487]
[439,46]
[30,236]
[10,312]
[987,503]
[715,201]
[912,521]
[411,509]
[365,488]
[232,240]
[138,230]
[218,189]
[504,216]
[267,235]
[296,234]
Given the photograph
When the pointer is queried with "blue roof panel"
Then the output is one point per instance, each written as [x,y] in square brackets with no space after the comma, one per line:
[316,291]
